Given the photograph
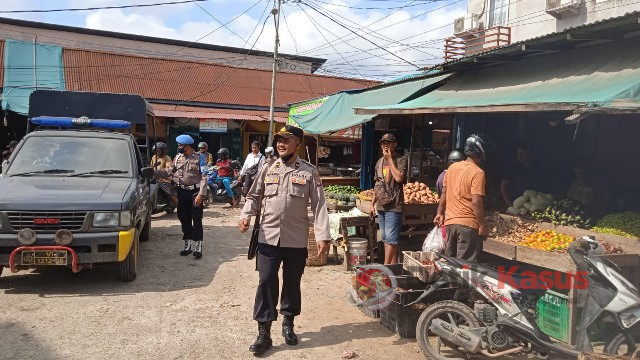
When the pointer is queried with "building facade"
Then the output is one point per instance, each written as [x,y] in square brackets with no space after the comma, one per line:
[489,24]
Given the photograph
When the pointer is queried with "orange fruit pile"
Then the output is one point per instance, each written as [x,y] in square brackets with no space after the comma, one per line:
[547,240]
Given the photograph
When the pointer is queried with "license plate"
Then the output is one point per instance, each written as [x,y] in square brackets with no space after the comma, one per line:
[44,257]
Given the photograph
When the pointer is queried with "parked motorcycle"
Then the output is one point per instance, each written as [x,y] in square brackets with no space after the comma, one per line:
[163,204]
[216,192]
[493,316]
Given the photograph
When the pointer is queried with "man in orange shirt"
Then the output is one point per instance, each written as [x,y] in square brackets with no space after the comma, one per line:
[461,207]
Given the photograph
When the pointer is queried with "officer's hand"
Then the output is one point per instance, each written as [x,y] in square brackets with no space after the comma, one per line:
[323,247]
[198,201]
[243,225]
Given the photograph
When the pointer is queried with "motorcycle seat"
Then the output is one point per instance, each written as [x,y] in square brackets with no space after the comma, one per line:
[523,283]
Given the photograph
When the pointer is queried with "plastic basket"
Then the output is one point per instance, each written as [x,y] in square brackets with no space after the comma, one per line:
[412,262]
[553,315]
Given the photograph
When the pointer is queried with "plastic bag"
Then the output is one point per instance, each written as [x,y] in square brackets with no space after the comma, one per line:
[434,241]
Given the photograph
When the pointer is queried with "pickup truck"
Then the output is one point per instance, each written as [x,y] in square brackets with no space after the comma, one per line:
[75,197]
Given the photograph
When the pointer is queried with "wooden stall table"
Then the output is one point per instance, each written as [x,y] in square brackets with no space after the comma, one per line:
[368,227]
[340,180]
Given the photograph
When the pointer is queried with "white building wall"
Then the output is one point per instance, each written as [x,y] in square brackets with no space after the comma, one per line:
[529,19]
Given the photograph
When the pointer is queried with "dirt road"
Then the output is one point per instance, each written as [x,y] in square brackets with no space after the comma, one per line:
[180,308]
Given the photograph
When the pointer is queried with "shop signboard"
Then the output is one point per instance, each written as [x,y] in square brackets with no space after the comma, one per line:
[354,132]
[305,108]
[213,125]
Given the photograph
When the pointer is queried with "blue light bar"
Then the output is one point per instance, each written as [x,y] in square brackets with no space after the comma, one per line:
[82,122]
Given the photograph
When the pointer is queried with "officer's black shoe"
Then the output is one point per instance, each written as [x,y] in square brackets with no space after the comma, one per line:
[197,252]
[187,248]
[263,342]
[290,337]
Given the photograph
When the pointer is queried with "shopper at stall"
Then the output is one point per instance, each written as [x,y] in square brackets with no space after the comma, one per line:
[524,175]
[388,197]
[251,166]
[453,157]
[461,207]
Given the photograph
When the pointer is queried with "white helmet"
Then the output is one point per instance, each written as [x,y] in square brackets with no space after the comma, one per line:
[268,150]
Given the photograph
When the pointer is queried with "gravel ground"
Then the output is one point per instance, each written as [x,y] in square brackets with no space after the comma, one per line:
[180,308]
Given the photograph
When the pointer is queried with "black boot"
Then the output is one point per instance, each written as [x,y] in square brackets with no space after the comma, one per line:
[263,342]
[197,252]
[290,337]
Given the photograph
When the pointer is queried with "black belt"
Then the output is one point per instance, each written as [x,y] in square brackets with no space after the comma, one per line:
[189,187]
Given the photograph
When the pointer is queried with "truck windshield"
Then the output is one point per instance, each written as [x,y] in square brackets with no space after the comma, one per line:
[63,156]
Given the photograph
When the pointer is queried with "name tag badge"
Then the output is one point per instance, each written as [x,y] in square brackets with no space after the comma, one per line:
[271,179]
[299,180]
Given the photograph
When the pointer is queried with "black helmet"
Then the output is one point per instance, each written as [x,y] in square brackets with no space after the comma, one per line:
[159,146]
[477,145]
[223,153]
[455,156]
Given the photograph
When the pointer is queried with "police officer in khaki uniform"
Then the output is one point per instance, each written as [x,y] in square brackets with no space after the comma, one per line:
[289,183]
[191,187]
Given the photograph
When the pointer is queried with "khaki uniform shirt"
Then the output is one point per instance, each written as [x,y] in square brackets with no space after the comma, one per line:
[185,171]
[287,191]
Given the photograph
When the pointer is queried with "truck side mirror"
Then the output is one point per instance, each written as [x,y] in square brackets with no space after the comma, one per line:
[147,173]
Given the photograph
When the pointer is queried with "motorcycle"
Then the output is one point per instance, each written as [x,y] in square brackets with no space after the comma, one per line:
[491,318]
[216,192]
[163,202]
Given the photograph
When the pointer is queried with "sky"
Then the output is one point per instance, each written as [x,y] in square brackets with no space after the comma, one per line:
[373,39]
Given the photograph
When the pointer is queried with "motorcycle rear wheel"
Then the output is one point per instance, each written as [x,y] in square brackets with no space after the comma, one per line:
[453,312]
[618,345]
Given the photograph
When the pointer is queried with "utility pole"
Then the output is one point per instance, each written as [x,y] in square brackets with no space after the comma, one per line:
[276,16]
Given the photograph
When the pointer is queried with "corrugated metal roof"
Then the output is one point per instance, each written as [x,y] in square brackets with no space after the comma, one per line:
[166,79]
[316,62]
[194,112]
[628,20]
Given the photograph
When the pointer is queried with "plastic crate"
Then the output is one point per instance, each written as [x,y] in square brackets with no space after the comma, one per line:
[375,314]
[412,262]
[398,317]
[553,315]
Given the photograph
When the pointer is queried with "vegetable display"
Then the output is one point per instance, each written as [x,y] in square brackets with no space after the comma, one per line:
[418,193]
[366,195]
[625,224]
[341,195]
[565,212]
[530,202]
[547,240]
[509,229]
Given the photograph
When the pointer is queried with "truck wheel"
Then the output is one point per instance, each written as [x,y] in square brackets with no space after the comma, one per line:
[127,268]
[145,233]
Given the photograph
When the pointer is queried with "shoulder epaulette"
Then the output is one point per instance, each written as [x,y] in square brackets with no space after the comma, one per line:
[308,163]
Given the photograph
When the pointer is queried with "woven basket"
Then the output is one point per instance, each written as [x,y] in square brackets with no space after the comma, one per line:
[312,248]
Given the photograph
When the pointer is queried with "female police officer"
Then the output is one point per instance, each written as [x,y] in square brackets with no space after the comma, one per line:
[289,183]
[185,172]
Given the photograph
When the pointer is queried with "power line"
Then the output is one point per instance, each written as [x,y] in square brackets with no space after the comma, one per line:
[220,22]
[325,39]
[98,8]
[360,36]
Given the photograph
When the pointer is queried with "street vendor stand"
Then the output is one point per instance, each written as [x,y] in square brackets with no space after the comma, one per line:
[629,263]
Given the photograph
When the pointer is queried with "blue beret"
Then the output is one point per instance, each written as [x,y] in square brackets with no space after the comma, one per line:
[185,139]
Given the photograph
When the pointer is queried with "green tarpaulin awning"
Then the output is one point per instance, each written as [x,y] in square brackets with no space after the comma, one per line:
[335,112]
[604,77]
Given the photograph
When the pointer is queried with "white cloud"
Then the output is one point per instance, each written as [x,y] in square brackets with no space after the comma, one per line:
[423,33]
